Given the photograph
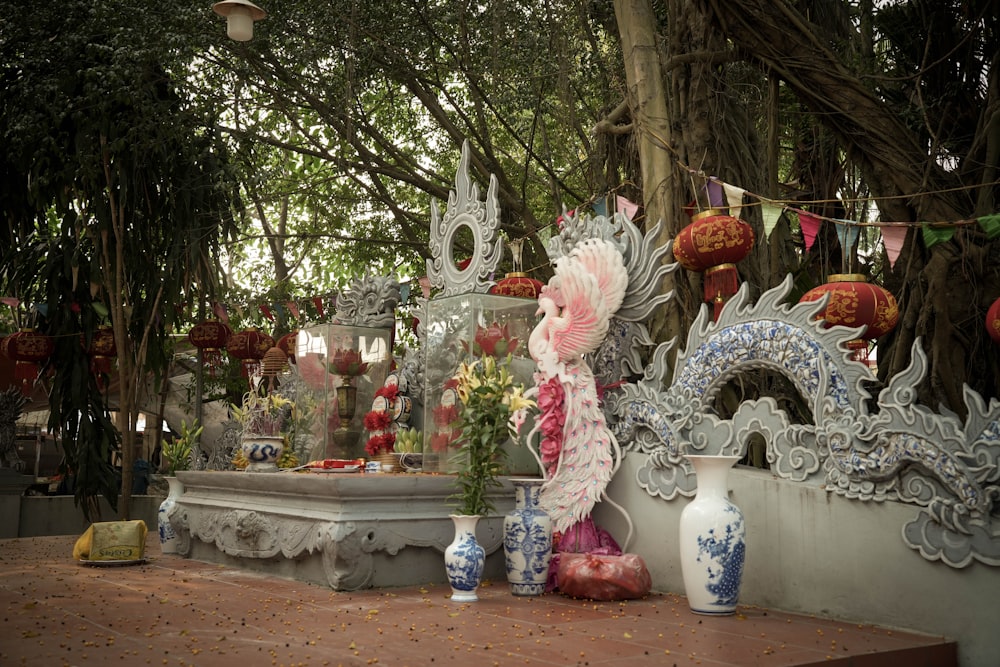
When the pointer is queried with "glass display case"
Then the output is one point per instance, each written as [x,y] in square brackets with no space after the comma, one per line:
[460,328]
[341,367]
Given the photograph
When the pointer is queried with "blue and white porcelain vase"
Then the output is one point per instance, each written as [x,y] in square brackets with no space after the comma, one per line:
[527,539]
[712,539]
[464,559]
[168,536]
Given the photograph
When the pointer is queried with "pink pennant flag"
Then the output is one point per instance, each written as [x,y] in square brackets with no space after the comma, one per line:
[734,197]
[893,237]
[293,308]
[810,226]
[11,301]
[770,212]
[626,207]
[220,312]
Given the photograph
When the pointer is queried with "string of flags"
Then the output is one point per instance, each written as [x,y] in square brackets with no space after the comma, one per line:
[723,194]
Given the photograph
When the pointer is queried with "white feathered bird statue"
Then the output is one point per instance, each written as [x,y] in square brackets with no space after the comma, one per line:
[578,452]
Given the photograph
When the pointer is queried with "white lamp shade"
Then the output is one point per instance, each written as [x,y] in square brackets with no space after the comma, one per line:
[240,16]
[239,25]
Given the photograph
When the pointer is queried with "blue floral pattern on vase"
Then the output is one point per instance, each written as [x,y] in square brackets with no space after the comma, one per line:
[464,560]
[712,539]
[168,536]
[723,557]
[527,540]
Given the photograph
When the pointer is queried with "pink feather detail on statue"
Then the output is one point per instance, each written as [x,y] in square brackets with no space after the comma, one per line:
[604,262]
[577,304]
[553,421]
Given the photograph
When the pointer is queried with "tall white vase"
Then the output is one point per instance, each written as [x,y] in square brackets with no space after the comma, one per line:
[527,539]
[464,559]
[712,539]
[168,536]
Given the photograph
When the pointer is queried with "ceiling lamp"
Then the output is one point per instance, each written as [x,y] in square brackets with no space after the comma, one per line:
[240,16]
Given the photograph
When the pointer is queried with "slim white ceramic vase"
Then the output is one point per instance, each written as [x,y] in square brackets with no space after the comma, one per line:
[464,559]
[527,539]
[712,539]
[168,536]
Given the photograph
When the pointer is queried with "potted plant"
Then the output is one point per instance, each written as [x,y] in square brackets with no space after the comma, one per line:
[177,453]
[489,398]
[265,417]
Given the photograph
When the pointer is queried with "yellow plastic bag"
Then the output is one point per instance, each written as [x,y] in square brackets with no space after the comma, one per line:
[112,540]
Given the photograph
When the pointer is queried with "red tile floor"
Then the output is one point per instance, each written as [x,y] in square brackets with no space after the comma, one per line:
[175,611]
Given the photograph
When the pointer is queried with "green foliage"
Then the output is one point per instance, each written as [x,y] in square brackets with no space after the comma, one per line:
[177,453]
[117,190]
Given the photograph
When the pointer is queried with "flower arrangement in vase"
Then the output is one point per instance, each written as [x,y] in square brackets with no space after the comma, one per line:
[493,340]
[347,363]
[489,400]
[265,418]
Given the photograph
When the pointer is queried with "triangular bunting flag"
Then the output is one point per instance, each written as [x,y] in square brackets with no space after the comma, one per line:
[716,194]
[810,227]
[264,308]
[600,207]
[847,233]
[11,301]
[770,212]
[318,302]
[625,206]
[293,308]
[221,312]
[893,237]
[990,225]
[934,235]
[734,197]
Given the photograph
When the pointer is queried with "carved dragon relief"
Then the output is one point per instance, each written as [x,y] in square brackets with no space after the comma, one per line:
[903,452]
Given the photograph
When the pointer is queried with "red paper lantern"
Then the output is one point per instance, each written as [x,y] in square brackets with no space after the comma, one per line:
[855,302]
[102,350]
[712,244]
[993,321]
[211,337]
[28,348]
[288,343]
[519,284]
[249,345]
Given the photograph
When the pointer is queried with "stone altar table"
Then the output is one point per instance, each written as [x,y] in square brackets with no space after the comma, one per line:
[347,531]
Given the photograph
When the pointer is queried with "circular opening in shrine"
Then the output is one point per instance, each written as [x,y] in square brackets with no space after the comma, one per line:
[459,247]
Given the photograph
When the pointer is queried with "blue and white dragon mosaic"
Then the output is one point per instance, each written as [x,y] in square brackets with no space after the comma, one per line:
[898,451]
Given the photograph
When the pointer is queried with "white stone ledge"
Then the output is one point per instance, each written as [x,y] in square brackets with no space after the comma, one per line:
[347,530]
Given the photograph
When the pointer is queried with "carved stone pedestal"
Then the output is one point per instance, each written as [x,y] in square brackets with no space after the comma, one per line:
[347,531]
